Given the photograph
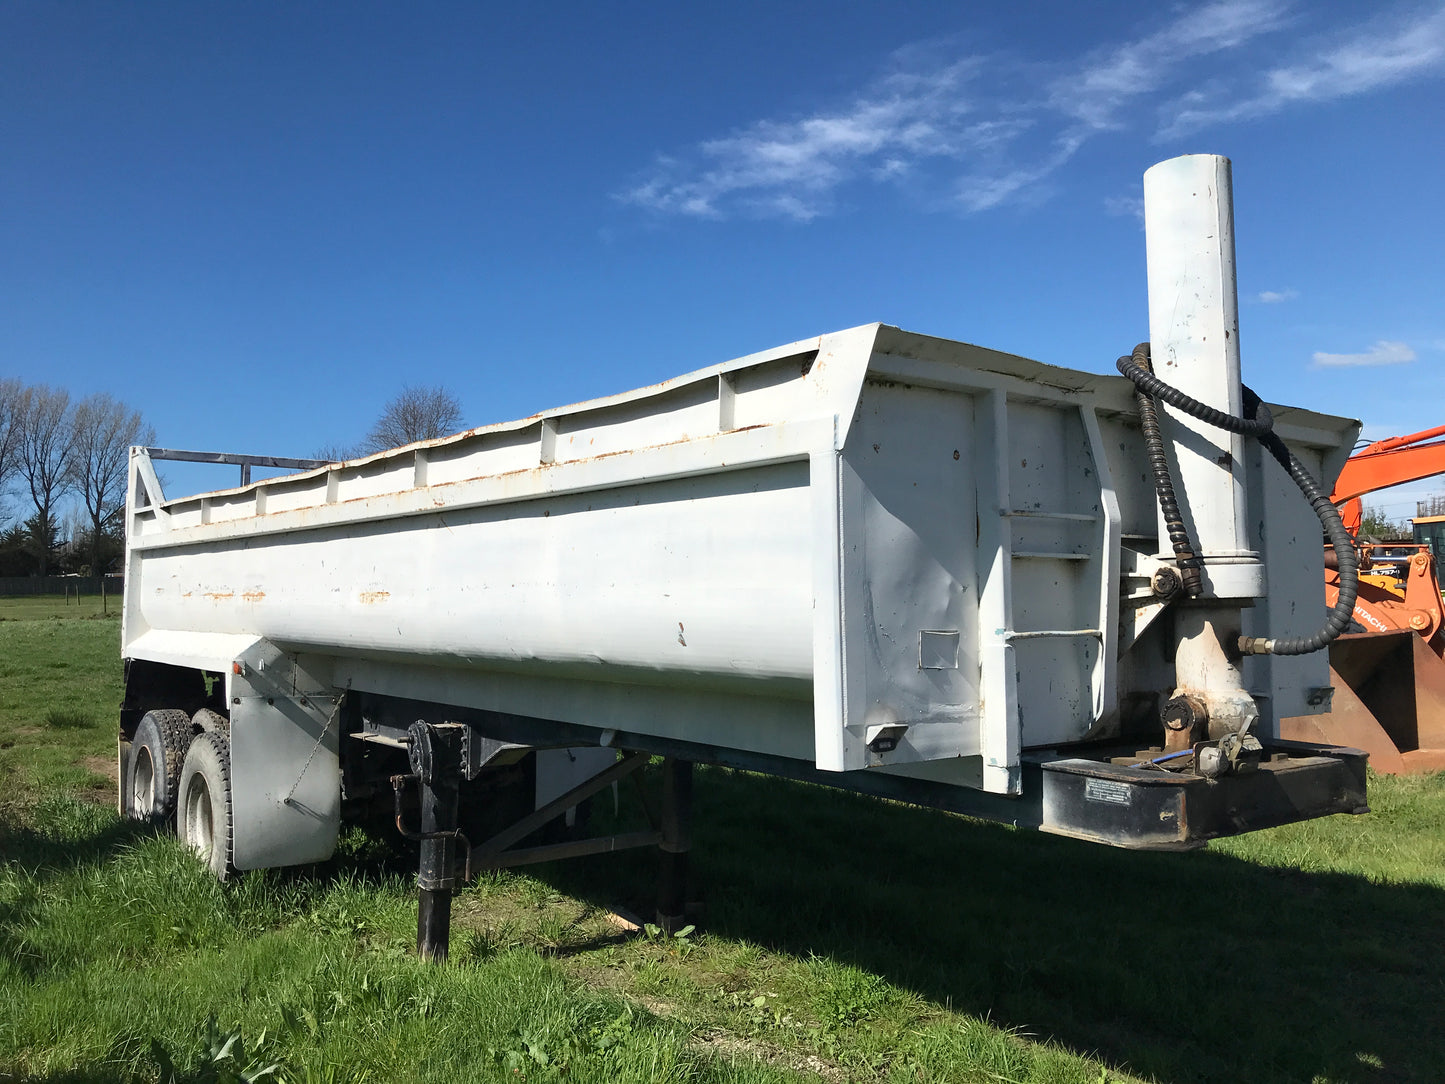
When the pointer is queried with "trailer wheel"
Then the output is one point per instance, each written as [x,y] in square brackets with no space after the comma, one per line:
[153,771]
[204,817]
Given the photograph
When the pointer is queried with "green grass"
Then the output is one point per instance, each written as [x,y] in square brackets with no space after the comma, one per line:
[845,939]
[41,607]
[60,688]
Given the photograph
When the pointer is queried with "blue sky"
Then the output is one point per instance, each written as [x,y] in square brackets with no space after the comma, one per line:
[257,222]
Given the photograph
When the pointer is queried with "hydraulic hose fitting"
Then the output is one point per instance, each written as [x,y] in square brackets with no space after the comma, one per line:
[1166,583]
[1258,423]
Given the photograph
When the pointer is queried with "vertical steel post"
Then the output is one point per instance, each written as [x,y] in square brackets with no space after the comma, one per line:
[435,758]
[1194,345]
[676,842]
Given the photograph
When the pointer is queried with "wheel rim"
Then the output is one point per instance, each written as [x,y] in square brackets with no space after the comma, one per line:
[143,783]
[200,823]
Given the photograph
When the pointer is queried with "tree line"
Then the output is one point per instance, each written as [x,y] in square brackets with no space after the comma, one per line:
[53,448]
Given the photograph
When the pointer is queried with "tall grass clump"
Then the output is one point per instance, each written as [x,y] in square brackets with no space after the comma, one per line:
[70,719]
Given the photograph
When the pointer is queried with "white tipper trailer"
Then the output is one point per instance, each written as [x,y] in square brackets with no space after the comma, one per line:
[873,559]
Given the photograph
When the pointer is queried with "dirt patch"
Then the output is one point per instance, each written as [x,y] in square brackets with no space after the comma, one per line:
[721,1043]
[105,766]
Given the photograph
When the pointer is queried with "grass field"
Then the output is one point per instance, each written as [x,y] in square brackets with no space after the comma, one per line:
[846,939]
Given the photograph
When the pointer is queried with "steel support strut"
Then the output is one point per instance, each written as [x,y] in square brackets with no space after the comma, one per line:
[435,753]
[676,842]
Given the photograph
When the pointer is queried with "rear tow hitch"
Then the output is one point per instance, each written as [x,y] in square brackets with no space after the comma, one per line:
[1255,785]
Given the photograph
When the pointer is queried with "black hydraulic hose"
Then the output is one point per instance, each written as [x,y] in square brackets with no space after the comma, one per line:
[1342,613]
[1184,554]
[1261,421]
[1259,424]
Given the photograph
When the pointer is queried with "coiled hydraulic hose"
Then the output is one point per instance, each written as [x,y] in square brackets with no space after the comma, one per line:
[1185,557]
[1259,424]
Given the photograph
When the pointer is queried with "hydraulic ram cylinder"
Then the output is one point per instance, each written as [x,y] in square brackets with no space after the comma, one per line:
[1194,345]
[1194,342]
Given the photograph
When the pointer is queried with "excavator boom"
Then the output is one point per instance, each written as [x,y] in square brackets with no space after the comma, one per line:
[1387,463]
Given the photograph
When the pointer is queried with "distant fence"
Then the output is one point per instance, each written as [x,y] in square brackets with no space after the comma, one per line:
[61,585]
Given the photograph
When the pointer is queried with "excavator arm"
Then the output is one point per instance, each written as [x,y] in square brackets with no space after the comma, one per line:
[1387,463]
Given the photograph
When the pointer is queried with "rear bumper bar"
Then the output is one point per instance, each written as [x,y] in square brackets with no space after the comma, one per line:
[1149,809]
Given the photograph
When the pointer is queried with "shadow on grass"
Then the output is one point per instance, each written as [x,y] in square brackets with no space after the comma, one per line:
[94,1074]
[1184,967]
[59,846]
[1196,967]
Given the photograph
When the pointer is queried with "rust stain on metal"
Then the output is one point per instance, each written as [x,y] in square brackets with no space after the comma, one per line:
[371,598]
[253,596]
[220,596]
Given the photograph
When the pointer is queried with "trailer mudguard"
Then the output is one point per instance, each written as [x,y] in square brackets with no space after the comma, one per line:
[285,768]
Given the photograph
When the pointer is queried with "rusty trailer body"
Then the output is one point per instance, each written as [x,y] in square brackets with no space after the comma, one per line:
[876,559]
[869,552]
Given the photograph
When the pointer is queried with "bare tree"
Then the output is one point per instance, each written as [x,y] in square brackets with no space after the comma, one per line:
[416,414]
[44,453]
[11,392]
[337,453]
[104,431]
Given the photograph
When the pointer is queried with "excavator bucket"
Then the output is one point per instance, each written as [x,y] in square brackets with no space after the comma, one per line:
[1389,701]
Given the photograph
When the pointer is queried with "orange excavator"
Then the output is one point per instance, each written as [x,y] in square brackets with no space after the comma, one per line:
[1387,463]
[1389,677]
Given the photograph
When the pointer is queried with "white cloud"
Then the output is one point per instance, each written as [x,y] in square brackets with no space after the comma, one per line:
[791,168]
[1126,206]
[974,132]
[984,189]
[1274,297]
[1112,78]
[1383,352]
[1354,62]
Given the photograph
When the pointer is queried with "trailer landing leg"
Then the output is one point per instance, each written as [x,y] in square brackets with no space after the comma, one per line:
[438,763]
[675,843]
[435,753]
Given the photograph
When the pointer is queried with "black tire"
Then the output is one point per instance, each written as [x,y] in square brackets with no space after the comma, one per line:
[153,769]
[203,818]
[206,719]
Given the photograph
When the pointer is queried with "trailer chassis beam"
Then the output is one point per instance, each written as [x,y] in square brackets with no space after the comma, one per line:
[493,854]
[1338,776]
[670,833]
[436,759]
